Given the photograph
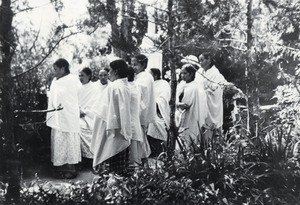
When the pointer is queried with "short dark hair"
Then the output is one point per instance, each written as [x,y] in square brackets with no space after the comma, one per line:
[121,67]
[190,69]
[208,55]
[142,59]
[62,63]
[130,74]
[88,72]
[156,72]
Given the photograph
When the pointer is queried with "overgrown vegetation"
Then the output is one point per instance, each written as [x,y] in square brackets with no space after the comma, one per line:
[242,170]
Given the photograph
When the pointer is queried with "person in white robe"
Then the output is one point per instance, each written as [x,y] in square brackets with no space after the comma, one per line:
[144,81]
[112,126]
[103,80]
[65,138]
[214,83]
[159,128]
[137,141]
[86,95]
[191,108]
[193,60]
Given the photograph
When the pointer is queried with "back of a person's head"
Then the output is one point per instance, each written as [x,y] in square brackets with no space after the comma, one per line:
[62,63]
[130,74]
[142,59]
[156,72]
[121,67]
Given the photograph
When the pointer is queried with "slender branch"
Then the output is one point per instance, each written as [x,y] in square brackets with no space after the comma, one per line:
[289,48]
[134,18]
[31,8]
[231,39]
[35,40]
[47,55]
[39,111]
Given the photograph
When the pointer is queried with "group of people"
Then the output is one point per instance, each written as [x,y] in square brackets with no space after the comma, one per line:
[199,100]
[123,118]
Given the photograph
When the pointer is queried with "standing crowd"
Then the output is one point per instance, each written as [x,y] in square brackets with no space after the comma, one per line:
[121,120]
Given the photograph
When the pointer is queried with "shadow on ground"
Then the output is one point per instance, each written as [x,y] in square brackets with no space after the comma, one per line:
[43,172]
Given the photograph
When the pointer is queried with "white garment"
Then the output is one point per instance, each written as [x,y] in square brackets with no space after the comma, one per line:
[214,82]
[162,94]
[65,139]
[193,118]
[85,143]
[100,86]
[135,153]
[199,78]
[64,93]
[112,126]
[144,80]
[87,95]
[65,148]
[135,112]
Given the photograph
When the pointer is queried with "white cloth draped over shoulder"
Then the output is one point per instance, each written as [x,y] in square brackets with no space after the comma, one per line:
[147,103]
[100,88]
[112,126]
[192,119]
[64,93]
[144,80]
[135,112]
[214,82]
[65,139]
[87,96]
[199,78]
[162,95]
[99,85]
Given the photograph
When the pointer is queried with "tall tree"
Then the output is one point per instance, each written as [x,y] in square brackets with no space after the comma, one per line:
[9,152]
[128,23]
[170,53]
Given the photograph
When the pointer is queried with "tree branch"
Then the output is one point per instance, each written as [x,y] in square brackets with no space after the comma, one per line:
[47,55]
[35,40]
[34,7]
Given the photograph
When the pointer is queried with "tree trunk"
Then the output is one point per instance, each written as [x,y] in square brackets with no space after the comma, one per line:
[170,54]
[9,154]
[247,70]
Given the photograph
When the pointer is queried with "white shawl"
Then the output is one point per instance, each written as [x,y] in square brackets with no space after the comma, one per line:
[214,89]
[112,126]
[87,95]
[114,108]
[147,108]
[162,94]
[193,118]
[64,93]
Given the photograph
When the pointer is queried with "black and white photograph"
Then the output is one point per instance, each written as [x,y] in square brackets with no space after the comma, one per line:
[150,102]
